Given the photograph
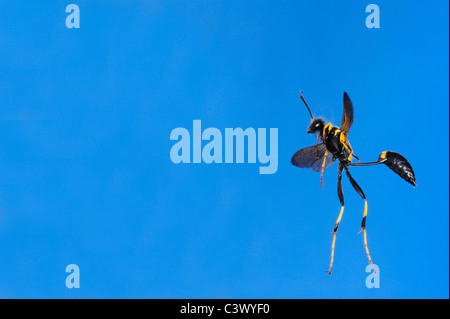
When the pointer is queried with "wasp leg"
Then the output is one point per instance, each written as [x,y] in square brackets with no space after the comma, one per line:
[336,226]
[323,168]
[363,223]
[317,146]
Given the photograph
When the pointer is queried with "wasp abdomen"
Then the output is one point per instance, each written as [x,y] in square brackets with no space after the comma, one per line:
[399,165]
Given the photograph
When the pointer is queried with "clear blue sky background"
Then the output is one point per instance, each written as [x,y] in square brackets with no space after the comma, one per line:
[86,176]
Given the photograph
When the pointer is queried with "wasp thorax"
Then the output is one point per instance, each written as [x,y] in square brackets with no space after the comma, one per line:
[316,126]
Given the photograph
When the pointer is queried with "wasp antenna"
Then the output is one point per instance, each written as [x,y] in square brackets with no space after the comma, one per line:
[304,101]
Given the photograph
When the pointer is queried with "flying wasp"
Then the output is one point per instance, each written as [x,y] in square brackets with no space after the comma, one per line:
[332,143]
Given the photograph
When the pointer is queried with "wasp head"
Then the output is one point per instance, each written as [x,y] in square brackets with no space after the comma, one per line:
[317,125]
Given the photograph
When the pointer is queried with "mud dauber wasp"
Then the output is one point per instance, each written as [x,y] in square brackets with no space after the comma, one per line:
[335,145]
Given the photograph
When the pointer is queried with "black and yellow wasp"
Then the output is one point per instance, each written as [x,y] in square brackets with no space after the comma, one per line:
[335,145]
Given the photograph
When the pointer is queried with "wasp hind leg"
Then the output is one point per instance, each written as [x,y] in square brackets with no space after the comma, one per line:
[363,223]
[336,226]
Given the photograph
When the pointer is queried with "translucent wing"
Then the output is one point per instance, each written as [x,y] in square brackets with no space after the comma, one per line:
[347,116]
[310,158]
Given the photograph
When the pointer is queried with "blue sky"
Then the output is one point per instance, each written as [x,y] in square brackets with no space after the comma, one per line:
[85,170]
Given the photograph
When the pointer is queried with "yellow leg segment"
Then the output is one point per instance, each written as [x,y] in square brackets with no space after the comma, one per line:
[317,145]
[363,228]
[323,168]
[334,239]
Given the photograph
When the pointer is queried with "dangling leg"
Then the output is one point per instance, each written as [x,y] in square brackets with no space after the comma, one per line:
[317,146]
[323,168]
[363,223]
[341,199]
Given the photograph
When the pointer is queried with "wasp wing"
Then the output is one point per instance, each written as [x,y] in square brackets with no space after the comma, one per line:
[312,157]
[347,116]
